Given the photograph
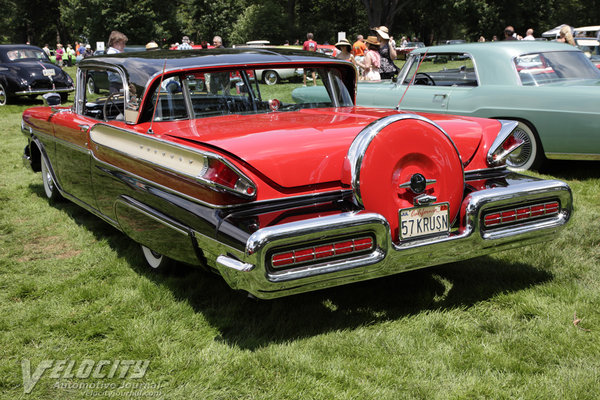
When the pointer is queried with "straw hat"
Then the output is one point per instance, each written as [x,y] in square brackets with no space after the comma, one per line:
[372,40]
[151,45]
[343,42]
[383,32]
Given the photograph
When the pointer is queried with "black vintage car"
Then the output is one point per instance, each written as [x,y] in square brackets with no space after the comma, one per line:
[27,71]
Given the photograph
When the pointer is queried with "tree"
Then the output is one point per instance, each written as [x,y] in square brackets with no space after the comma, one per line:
[382,12]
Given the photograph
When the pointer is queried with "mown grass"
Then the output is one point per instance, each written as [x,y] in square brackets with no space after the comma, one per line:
[498,327]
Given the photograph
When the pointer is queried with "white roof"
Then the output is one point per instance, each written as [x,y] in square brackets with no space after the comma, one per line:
[553,32]
[592,28]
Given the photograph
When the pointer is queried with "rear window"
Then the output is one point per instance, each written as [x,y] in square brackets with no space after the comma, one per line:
[537,69]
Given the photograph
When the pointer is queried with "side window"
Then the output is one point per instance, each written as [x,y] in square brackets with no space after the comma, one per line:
[443,70]
[221,93]
[103,94]
[169,100]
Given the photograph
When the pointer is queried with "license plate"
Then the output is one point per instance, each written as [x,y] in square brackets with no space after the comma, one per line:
[423,221]
[49,72]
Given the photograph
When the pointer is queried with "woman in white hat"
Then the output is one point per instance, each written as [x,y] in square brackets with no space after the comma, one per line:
[387,52]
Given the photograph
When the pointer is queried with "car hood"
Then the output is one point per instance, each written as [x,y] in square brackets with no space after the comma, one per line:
[307,147]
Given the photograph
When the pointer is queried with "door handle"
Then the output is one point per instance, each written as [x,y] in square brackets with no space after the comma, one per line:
[83,127]
[439,97]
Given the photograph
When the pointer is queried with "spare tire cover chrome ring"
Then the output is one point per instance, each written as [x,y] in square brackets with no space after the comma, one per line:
[360,144]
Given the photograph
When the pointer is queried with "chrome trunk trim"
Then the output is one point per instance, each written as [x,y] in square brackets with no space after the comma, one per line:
[469,240]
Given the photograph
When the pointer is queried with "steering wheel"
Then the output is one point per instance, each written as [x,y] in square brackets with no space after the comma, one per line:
[428,80]
[110,100]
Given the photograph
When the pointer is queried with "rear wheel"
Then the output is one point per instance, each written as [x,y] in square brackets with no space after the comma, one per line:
[91,86]
[64,97]
[530,154]
[50,188]
[157,262]
[270,77]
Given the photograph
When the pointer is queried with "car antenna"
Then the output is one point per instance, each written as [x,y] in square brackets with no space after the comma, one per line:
[150,131]
[412,80]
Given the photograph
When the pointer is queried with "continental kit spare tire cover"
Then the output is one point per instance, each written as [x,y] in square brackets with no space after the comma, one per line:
[389,152]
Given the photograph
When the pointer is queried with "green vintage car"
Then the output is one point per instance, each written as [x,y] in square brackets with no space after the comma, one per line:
[551,89]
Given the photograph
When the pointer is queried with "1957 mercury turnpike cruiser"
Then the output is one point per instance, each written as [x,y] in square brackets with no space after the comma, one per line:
[200,163]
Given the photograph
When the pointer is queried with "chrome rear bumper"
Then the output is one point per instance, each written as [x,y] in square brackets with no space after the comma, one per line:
[251,271]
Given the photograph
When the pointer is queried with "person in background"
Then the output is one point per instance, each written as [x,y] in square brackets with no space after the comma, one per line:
[218,42]
[88,51]
[59,54]
[46,50]
[566,36]
[70,53]
[344,47]
[358,48]
[372,61]
[509,33]
[116,45]
[529,35]
[387,51]
[185,44]
[116,42]
[309,45]
[494,38]
[481,39]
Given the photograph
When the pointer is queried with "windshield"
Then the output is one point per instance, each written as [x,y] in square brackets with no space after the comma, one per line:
[245,91]
[21,54]
[550,67]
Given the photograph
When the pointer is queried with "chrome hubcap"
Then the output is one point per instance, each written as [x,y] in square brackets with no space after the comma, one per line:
[2,96]
[520,156]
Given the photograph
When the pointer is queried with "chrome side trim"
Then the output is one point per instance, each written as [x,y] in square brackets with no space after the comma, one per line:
[43,91]
[573,156]
[161,153]
[228,262]
[505,131]
[265,203]
[359,146]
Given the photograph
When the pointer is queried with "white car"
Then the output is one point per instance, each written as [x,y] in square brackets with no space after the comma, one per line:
[271,76]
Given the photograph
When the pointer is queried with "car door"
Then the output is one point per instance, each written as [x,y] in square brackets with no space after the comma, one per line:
[73,158]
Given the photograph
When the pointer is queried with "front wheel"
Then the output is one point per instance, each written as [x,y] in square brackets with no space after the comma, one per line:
[530,155]
[270,77]
[156,261]
[3,95]
[50,188]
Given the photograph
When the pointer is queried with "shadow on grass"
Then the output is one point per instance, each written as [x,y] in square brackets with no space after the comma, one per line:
[567,169]
[251,324]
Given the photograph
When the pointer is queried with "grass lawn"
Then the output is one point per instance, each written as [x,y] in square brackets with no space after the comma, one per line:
[500,327]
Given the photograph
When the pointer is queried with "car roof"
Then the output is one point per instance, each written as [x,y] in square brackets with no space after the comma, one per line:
[139,67]
[494,60]
[511,48]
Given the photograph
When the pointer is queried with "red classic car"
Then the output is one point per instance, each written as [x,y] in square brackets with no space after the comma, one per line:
[201,164]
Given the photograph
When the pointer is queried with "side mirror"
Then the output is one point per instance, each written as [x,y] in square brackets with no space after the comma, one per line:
[52,99]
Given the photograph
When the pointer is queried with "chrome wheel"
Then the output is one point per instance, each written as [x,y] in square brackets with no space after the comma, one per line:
[3,95]
[49,186]
[270,77]
[156,261]
[528,155]
[91,87]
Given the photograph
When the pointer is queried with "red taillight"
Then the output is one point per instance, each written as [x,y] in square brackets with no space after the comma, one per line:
[323,251]
[222,175]
[520,214]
